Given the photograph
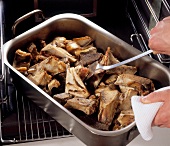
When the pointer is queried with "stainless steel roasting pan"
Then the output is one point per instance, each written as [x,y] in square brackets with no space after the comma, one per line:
[73,25]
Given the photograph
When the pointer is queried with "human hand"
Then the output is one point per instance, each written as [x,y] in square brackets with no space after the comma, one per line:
[159,40]
[162,118]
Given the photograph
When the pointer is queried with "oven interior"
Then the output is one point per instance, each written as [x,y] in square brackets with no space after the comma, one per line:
[130,20]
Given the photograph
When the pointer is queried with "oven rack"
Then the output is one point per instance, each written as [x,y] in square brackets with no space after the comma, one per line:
[29,122]
[147,20]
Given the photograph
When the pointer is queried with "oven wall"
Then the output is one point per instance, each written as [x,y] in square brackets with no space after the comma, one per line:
[108,16]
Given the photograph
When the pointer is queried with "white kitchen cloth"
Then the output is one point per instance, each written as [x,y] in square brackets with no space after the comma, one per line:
[144,115]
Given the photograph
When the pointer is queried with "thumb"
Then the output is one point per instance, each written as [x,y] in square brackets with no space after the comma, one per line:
[157,96]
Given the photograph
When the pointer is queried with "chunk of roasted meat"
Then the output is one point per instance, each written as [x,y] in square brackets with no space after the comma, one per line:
[125,103]
[110,59]
[41,73]
[97,75]
[33,50]
[59,42]
[72,47]
[49,50]
[111,79]
[62,97]
[40,78]
[51,64]
[53,84]
[109,100]
[124,119]
[76,46]
[89,58]
[83,41]
[141,84]
[22,60]
[103,87]
[82,71]
[87,49]
[75,85]
[87,106]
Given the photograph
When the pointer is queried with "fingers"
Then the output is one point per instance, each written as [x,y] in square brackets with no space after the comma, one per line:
[159,26]
[154,42]
[160,36]
[162,117]
[167,19]
[159,96]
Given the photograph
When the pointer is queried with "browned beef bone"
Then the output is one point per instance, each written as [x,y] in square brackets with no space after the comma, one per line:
[125,104]
[88,106]
[89,58]
[53,84]
[74,84]
[103,87]
[82,71]
[141,84]
[59,42]
[40,58]
[87,49]
[40,78]
[125,118]
[22,60]
[51,64]
[109,100]
[111,79]
[83,41]
[124,89]
[49,50]
[62,97]
[33,50]
[92,68]
[122,69]
[72,46]
[95,76]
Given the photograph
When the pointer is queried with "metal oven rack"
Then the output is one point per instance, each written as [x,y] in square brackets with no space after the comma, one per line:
[29,123]
[146,14]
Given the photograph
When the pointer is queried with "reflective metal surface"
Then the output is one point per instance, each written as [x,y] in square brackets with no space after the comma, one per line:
[71,25]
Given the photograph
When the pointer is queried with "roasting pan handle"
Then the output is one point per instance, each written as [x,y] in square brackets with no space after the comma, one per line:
[24,17]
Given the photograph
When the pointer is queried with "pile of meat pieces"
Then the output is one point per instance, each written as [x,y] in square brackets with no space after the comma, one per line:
[65,69]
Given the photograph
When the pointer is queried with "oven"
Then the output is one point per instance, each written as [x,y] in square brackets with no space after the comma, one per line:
[131,20]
